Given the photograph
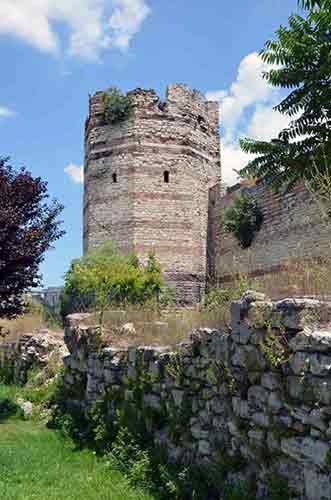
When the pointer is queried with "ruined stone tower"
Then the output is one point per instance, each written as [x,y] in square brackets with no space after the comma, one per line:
[147,181]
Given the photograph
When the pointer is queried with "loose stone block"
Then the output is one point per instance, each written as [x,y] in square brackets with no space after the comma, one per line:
[204,447]
[240,407]
[257,396]
[314,341]
[271,381]
[178,396]
[261,419]
[152,401]
[302,449]
[320,364]
[317,484]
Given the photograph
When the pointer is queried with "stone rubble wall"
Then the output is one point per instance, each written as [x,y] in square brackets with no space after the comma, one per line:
[141,212]
[17,358]
[261,393]
[292,232]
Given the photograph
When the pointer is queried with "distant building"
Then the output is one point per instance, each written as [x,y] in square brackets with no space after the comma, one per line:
[50,296]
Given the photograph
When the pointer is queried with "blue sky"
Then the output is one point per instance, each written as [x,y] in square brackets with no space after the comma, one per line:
[55,52]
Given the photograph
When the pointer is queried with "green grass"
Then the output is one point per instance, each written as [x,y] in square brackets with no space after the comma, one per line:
[8,391]
[39,464]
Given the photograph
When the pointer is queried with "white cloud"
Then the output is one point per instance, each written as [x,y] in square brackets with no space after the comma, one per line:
[233,158]
[249,89]
[266,123]
[6,112]
[76,172]
[93,25]
[126,20]
[246,110]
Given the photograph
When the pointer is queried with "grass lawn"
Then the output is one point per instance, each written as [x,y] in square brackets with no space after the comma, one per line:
[39,464]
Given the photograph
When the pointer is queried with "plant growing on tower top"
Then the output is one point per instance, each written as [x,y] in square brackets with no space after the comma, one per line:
[117,106]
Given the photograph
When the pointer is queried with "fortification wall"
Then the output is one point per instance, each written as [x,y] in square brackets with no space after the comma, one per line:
[141,212]
[29,352]
[255,403]
[292,232]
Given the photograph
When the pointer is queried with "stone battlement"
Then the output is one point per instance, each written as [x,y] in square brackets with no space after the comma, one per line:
[180,100]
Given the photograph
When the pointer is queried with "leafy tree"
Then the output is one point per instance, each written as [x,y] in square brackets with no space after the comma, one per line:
[117,106]
[28,226]
[243,219]
[105,277]
[301,62]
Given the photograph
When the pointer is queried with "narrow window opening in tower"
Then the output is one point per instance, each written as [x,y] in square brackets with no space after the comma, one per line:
[114,176]
[166,176]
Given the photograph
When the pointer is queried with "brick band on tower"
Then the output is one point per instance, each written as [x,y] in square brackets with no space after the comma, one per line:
[147,181]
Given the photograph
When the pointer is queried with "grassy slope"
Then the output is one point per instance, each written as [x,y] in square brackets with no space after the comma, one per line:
[38,464]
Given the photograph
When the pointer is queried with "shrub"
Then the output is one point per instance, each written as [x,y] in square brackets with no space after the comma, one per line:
[222,297]
[117,106]
[168,296]
[243,219]
[9,408]
[106,277]
[217,297]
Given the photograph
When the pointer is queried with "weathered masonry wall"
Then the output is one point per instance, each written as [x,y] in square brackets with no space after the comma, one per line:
[261,394]
[141,212]
[292,231]
[18,357]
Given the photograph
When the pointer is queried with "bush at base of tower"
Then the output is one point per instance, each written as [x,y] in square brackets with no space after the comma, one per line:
[106,277]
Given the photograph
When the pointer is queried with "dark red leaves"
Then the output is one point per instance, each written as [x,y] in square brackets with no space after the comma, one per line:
[28,226]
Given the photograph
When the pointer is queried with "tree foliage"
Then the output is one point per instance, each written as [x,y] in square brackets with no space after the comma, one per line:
[105,277]
[28,226]
[300,60]
[243,219]
[117,106]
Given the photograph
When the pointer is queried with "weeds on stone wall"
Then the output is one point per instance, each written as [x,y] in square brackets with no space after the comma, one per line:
[243,219]
[217,297]
[127,447]
[118,428]
[275,343]
[276,351]
[123,445]
[168,296]
[278,487]
[117,106]
[219,373]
